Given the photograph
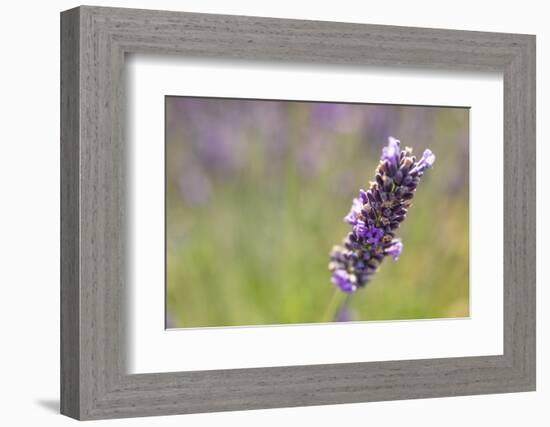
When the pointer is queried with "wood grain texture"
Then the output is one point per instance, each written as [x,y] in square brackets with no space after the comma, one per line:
[94,381]
[70,292]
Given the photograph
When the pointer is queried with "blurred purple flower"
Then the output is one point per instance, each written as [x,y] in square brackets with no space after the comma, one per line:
[312,153]
[378,120]
[384,207]
[221,130]
[194,187]
[216,147]
[326,120]
[333,116]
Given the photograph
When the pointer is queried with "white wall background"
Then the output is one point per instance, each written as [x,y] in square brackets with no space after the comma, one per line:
[29,212]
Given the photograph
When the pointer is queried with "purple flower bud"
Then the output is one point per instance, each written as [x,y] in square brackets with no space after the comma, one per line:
[391,152]
[371,234]
[398,178]
[391,168]
[398,218]
[374,235]
[387,184]
[360,229]
[370,196]
[394,250]
[371,214]
[344,281]
[353,216]
[428,159]
[363,196]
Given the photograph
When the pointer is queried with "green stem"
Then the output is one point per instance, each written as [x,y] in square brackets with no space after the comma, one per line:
[344,305]
[334,305]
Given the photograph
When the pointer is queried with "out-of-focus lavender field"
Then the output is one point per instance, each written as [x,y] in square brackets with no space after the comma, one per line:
[256,195]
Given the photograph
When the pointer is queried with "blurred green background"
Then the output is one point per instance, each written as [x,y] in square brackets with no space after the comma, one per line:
[256,195]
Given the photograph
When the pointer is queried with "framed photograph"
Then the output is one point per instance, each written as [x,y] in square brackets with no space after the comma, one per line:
[261,213]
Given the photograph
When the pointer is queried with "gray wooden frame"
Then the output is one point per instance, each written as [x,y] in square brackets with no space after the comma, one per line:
[94,382]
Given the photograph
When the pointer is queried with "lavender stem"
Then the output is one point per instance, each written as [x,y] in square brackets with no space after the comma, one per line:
[334,305]
[344,313]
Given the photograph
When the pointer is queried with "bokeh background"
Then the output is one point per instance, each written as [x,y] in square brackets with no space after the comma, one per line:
[256,192]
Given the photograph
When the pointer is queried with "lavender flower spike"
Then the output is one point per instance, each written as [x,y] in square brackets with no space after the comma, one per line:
[376,215]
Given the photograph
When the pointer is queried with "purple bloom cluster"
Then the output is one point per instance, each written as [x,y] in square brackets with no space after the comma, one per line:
[375,216]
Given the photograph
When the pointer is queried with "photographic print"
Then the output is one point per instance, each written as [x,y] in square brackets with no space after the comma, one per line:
[296,212]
